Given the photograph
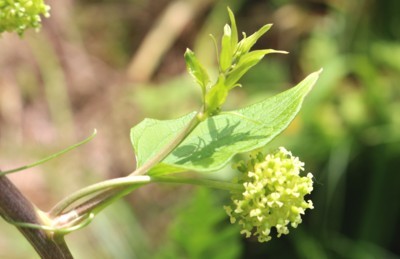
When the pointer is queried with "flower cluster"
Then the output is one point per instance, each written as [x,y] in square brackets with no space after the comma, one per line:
[19,15]
[273,194]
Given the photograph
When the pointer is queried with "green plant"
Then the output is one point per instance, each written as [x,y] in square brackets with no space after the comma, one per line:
[202,141]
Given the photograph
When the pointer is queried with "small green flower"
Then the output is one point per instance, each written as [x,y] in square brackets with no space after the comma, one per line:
[273,194]
[19,15]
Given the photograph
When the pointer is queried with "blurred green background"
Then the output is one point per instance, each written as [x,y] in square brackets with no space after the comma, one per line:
[108,64]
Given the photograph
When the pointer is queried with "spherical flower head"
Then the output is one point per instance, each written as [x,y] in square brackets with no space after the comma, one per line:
[19,15]
[273,194]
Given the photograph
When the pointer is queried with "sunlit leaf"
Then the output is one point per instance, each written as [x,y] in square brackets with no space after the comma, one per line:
[213,143]
[150,136]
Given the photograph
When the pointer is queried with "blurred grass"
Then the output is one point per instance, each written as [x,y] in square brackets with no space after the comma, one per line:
[56,86]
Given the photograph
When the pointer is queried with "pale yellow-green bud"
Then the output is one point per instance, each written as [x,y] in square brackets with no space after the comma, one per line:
[273,194]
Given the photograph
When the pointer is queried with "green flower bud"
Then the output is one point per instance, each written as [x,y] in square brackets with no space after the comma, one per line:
[273,194]
[19,15]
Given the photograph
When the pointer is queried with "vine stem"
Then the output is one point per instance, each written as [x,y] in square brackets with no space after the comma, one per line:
[55,155]
[15,207]
[113,189]
[105,185]
[117,188]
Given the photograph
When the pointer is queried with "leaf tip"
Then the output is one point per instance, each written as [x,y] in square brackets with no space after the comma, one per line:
[278,51]
[188,51]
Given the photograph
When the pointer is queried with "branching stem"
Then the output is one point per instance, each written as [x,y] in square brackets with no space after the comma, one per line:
[108,191]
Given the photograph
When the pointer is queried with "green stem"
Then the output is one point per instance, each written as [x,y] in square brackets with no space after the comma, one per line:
[75,225]
[105,185]
[117,188]
[228,186]
[101,201]
[50,157]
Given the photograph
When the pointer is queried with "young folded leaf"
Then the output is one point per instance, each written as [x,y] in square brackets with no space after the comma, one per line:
[196,70]
[234,37]
[246,62]
[246,43]
[216,96]
[225,59]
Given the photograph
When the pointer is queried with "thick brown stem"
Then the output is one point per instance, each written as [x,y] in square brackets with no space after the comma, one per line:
[15,207]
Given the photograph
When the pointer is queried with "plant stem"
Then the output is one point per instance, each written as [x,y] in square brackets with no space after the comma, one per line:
[15,207]
[105,186]
[228,186]
[117,188]
[44,160]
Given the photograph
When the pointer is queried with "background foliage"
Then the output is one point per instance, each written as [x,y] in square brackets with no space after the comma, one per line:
[108,64]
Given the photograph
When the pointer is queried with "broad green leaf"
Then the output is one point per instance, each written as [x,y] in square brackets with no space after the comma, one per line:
[214,141]
[198,72]
[150,136]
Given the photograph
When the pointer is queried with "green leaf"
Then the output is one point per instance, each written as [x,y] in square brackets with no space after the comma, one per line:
[216,140]
[150,136]
[198,72]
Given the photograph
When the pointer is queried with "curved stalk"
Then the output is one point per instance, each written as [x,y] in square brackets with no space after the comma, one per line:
[110,190]
[228,186]
[105,185]
[55,155]
[101,201]
[117,188]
